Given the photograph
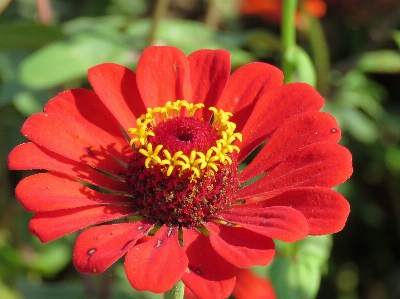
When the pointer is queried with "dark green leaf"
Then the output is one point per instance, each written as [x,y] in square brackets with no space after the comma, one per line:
[27,35]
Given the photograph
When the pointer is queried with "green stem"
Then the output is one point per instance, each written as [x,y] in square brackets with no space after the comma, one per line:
[320,51]
[288,33]
[160,9]
[176,292]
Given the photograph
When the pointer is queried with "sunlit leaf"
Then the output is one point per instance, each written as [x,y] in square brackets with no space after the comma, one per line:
[83,24]
[50,258]
[396,37]
[70,59]
[359,125]
[381,61]
[297,269]
[189,36]
[304,67]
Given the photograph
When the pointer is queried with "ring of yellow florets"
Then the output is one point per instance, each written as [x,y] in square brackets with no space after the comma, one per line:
[197,162]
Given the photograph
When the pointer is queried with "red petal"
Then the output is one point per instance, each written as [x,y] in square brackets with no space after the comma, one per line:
[48,226]
[273,109]
[158,264]
[64,136]
[319,164]
[208,274]
[85,107]
[209,73]
[245,87]
[189,294]
[21,159]
[116,86]
[163,75]
[282,223]
[241,247]
[325,210]
[249,285]
[297,132]
[51,191]
[97,248]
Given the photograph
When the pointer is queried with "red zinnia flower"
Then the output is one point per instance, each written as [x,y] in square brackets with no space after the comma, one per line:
[175,177]
[272,9]
[250,285]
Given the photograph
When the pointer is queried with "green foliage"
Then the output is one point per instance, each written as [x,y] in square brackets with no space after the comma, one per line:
[70,59]
[304,67]
[19,35]
[358,107]
[382,61]
[297,269]
[361,88]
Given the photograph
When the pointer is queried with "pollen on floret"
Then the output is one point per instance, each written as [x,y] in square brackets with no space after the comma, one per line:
[184,170]
[176,199]
[188,144]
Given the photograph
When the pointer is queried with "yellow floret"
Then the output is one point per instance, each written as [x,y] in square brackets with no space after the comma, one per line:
[200,164]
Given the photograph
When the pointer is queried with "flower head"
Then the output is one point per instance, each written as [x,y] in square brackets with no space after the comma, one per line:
[272,9]
[150,161]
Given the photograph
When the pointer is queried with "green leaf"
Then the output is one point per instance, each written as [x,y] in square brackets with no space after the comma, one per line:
[304,67]
[8,293]
[381,61]
[59,290]
[189,36]
[396,37]
[50,258]
[126,7]
[27,35]
[392,159]
[186,35]
[69,59]
[297,269]
[359,125]
[262,42]
[83,24]
[27,104]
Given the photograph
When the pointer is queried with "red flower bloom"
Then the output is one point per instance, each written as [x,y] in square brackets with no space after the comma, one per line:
[250,285]
[272,9]
[176,179]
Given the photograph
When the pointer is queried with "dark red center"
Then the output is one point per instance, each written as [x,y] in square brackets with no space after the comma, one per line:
[184,134]
[177,199]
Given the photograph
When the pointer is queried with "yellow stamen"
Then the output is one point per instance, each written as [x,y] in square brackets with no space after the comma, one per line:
[152,156]
[200,164]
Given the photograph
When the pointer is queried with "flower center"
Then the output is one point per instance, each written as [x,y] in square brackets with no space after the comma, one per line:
[184,134]
[184,170]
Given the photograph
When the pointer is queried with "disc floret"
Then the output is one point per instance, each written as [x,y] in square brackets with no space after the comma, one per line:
[198,162]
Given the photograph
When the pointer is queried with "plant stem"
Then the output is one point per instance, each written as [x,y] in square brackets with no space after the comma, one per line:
[160,9]
[320,51]
[288,33]
[176,292]
[212,16]
[3,5]
[45,11]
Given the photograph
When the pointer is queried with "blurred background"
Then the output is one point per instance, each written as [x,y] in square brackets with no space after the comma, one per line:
[347,49]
